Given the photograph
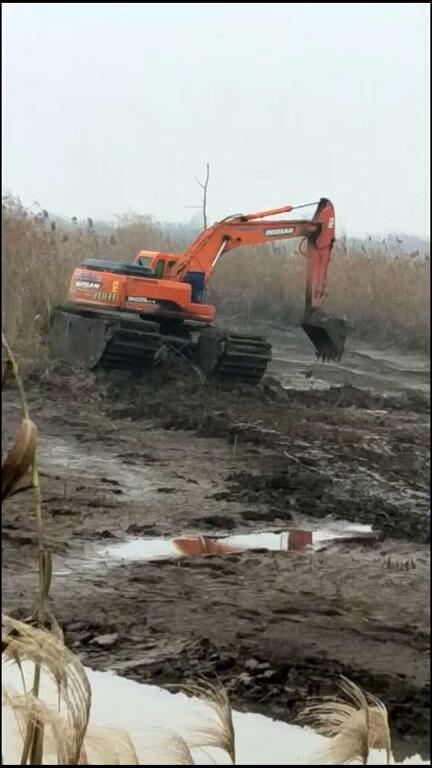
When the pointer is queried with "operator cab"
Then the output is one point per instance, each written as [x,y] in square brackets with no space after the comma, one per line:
[157,264]
[161,266]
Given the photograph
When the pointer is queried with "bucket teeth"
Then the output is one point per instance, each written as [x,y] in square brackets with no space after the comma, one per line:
[327,334]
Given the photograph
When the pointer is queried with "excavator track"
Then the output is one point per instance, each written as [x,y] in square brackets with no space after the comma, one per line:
[108,339]
[104,339]
[233,357]
[133,349]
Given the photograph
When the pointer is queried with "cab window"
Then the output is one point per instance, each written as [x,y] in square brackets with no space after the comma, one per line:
[144,261]
[159,268]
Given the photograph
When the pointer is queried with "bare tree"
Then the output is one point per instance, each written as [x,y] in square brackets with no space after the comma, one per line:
[204,186]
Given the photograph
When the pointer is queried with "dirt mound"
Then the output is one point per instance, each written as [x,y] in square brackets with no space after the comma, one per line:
[297,489]
[178,397]
[259,414]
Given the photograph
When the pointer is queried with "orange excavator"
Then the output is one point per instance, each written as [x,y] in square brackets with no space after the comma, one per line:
[133,314]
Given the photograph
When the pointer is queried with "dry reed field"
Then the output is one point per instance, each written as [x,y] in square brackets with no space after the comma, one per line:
[384,295]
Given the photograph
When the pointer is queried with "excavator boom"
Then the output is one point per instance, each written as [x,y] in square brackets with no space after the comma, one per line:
[327,334]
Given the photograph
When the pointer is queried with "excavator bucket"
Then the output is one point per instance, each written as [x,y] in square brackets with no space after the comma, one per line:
[104,339]
[327,334]
[79,341]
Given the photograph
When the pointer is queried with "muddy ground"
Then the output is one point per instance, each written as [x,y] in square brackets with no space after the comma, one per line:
[172,455]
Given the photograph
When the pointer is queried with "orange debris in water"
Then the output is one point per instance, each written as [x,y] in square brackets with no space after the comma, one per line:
[204,545]
[299,539]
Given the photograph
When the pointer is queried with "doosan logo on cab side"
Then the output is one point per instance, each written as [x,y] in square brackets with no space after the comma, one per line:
[86,284]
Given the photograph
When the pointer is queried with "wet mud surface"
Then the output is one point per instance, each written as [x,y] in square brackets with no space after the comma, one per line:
[170,456]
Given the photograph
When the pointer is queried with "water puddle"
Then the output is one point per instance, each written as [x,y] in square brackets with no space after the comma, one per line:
[378,374]
[296,540]
[406,362]
[298,382]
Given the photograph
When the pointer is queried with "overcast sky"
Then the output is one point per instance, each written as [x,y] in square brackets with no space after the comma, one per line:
[112,107]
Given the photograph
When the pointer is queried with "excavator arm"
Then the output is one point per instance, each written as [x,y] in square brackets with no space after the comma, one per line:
[326,333]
